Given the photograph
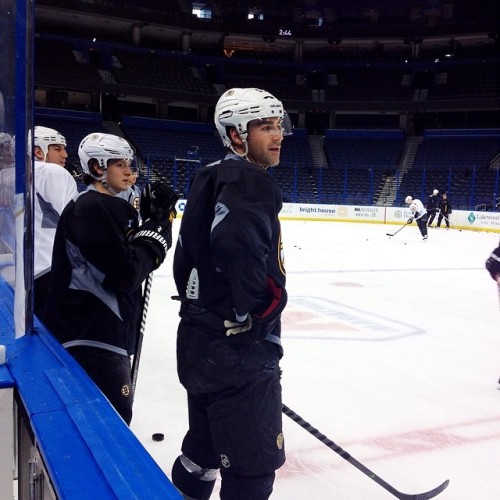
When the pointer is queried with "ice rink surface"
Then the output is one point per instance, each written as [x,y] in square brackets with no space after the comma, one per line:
[392,350]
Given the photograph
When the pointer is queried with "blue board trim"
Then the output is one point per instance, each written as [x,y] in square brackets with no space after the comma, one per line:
[89,452]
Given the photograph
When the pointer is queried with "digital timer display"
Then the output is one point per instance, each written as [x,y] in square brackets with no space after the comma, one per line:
[284,32]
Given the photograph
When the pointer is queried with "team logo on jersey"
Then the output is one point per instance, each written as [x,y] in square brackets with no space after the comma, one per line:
[280,440]
[125,390]
[224,460]
[281,256]
[135,203]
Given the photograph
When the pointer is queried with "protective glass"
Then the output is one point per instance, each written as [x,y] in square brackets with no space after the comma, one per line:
[286,125]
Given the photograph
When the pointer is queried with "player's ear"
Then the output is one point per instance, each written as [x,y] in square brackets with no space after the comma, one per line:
[235,137]
[95,169]
[37,151]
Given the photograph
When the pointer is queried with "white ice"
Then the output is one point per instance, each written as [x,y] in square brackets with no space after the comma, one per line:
[392,350]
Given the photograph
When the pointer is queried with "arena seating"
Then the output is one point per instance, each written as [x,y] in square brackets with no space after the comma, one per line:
[173,140]
[473,80]
[385,83]
[457,151]
[457,161]
[377,149]
[155,69]
[60,62]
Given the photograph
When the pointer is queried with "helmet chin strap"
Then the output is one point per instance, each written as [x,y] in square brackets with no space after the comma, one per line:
[242,155]
[104,182]
[107,186]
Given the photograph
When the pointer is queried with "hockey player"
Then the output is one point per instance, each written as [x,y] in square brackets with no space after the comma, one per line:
[419,213]
[101,258]
[433,206]
[493,264]
[493,267]
[55,187]
[228,269]
[445,210]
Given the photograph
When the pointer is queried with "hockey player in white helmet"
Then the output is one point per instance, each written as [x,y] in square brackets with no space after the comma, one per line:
[49,146]
[101,257]
[229,273]
[236,109]
[54,189]
[97,151]
[433,206]
[419,214]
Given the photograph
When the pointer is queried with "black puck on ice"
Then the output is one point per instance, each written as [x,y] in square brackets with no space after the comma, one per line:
[158,436]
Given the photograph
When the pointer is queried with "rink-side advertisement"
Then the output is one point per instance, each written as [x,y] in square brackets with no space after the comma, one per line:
[459,219]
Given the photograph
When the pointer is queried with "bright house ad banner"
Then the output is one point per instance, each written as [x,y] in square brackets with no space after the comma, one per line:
[460,219]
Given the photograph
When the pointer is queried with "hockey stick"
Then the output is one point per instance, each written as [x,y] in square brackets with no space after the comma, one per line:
[400,229]
[337,449]
[447,220]
[142,326]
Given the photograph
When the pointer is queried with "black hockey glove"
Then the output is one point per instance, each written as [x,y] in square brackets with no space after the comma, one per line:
[493,264]
[74,169]
[157,199]
[277,299]
[410,220]
[157,234]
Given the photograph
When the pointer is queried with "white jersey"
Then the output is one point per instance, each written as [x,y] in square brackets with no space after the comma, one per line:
[417,209]
[55,187]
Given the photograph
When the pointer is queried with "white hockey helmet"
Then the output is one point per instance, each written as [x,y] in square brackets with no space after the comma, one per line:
[435,192]
[102,148]
[408,200]
[237,107]
[45,137]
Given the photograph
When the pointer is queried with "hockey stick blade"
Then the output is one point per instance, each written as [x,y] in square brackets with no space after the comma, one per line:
[337,449]
[396,232]
[422,496]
